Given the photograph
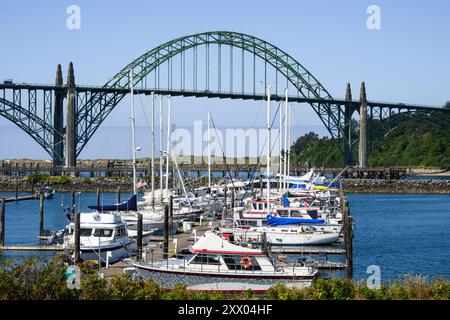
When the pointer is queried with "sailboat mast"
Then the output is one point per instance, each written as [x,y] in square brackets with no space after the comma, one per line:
[209,152]
[285,141]
[133,129]
[268,149]
[280,139]
[289,145]
[161,158]
[168,147]
[153,149]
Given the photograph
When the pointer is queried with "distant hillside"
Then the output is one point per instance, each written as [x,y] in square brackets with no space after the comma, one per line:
[402,139]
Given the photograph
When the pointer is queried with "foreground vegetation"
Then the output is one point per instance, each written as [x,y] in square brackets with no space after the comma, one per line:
[36,279]
[400,140]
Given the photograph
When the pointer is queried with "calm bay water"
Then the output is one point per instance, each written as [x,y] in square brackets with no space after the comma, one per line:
[402,234]
[399,233]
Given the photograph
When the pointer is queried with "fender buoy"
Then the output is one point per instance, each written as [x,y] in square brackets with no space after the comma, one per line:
[246,262]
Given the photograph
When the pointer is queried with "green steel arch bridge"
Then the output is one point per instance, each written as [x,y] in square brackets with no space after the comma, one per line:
[217,64]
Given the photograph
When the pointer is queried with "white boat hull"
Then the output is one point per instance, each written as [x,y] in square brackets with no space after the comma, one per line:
[288,239]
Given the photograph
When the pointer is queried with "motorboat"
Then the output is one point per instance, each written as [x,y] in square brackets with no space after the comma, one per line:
[46,191]
[215,264]
[100,234]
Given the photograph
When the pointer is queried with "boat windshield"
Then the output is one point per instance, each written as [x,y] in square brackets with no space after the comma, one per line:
[85,232]
[103,232]
[206,259]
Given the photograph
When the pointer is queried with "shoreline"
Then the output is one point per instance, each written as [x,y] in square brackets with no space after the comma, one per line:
[113,184]
[426,186]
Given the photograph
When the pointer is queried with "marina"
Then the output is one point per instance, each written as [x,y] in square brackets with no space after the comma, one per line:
[188,162]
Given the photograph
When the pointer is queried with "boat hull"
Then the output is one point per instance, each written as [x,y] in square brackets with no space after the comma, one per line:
[285,239]
[118,253]
[221,283]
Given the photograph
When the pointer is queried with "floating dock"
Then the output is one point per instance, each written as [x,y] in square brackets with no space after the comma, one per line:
[31,248]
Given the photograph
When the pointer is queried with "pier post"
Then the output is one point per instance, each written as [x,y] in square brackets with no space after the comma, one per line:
[171,216]
[70,119]
[72,201]
[363,127]
[232,199]
[350,248]
[98,197]
[41,215]
[166,232]
[348,238]
[77,238]
[58,122]
[2,222]
[225,207]
[139,237]
[17,188]
[118,194]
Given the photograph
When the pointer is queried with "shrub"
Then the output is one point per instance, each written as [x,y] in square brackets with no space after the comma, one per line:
[149,290]
[37,178]
[93,287]
[64,180]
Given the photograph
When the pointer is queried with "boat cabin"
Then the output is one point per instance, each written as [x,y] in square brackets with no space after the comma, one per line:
[214,254]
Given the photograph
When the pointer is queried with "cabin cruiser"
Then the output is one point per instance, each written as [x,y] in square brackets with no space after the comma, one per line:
[215,264]
[99,233]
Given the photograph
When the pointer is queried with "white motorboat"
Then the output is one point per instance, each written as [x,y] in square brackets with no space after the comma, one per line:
[287,235]
[99,233]
[217,265]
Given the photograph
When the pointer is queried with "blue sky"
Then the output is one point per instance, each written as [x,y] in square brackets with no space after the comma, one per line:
[406,61]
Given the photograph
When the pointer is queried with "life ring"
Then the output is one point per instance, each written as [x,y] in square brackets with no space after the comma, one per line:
[246,262]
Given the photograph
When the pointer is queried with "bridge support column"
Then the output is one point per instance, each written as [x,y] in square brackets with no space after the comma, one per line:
[348,154]
[70,119]
[363,127]
[58,122]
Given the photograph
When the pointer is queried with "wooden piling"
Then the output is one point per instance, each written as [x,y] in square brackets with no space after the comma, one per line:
[77,238]
[232,199]
[72,201]
[225,207]
[139,237]
[171,216]
[98,197]
[41,215]
[350,248]
[348,238]
[118,194]
[17,188]
[2,222]
[166,232]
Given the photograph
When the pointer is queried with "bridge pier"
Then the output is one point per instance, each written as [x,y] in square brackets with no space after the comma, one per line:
[363,127]
[348,111]
[58,122]
[70,119]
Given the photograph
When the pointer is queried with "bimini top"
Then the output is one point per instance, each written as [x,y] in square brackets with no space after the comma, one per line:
[212,243]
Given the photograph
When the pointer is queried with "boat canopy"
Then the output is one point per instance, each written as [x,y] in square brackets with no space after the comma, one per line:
[285,200]
[280,221]
[130,205]
[212,243]
[99,218]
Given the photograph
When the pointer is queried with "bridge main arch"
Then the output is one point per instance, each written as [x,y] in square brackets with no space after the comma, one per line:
[94,110]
